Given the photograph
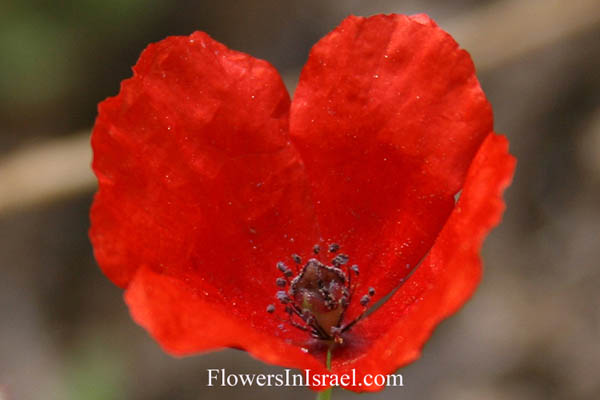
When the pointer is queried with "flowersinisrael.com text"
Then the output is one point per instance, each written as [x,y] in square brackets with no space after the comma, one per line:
[219,377]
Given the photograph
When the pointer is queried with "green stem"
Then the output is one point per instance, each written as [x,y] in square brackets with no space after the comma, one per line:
[326,394]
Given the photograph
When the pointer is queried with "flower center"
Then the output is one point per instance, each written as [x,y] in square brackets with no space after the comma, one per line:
[318,295]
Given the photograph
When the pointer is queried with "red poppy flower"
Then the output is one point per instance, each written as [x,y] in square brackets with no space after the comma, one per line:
[210,179]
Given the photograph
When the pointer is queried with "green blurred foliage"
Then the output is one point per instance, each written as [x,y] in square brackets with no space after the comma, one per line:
[95,371]
[44,45]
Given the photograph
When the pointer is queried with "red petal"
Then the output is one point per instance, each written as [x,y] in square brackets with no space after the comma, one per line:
[183,320]
[394,334]
[387,116]
[200,187]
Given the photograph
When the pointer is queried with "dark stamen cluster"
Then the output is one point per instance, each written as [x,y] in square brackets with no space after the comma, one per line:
[316,298]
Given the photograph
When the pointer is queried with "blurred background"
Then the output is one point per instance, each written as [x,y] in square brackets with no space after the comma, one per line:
[532,329]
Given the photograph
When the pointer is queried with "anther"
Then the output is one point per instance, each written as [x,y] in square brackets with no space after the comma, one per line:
[281,266]
[297,259]
[354,269]
[340,259]
[288,272]
[316,249]
[333,247]
[270,308]
[371,291]
[281,282]
[365,300]
[282,297]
